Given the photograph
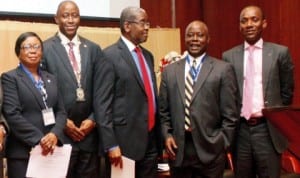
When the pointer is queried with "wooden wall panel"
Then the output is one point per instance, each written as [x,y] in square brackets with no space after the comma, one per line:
[222,20]
[290,35]
[187,11]
[160,41]
[159,12]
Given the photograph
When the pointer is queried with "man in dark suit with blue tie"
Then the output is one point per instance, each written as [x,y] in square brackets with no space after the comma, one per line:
[198,109]
[129,128]
[73,60]
[258,144]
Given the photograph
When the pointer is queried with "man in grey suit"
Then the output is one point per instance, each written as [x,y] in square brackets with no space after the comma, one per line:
[259,144]
[198,121]
[130,127]
[73,60]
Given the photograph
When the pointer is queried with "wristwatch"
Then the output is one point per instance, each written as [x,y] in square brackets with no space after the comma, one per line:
[2,128]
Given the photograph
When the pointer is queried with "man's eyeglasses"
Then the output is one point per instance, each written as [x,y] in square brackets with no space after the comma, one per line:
[141,23]
[28,47]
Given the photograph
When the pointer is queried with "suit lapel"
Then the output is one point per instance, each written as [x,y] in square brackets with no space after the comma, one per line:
[30,85]
[61,51]
[180,77]
[206,67]
[267,63]
[127,57]
[48,84]
[151,68]
[239,66]
[84,56]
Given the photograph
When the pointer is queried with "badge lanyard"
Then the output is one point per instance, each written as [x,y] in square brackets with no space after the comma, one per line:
[77,71]
[38,84]
[198,68]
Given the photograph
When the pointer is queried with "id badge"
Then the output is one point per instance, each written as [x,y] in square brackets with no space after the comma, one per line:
[48,116]
[80,94]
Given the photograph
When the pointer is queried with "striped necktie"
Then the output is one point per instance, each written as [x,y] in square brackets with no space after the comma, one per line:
[189,82]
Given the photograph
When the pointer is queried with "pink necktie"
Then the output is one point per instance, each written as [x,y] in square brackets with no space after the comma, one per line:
[72,58]
[148,88]
[249,85]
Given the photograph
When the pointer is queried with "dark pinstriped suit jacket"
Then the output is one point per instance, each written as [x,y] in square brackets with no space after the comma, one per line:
[56,61]
[127,123]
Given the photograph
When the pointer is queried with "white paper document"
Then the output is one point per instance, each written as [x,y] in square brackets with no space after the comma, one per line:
[163,167]
[50,166]
[126,172]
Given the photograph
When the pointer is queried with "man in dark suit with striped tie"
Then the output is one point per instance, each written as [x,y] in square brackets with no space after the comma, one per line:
[198,108]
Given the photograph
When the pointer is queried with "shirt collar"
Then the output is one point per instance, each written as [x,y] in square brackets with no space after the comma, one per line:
[198,59]
[65,40]
[128,43]
[258,44]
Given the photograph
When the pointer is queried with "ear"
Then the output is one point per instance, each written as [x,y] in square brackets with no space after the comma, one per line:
[56,19]
[265,24]
[127,26]
[208,39]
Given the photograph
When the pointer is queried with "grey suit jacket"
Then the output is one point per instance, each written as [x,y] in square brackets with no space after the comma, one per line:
[277,80]
[56,61]
[22,108]
[126,125]
[214,112]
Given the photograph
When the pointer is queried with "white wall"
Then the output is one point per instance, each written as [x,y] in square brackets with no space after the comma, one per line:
[90,8]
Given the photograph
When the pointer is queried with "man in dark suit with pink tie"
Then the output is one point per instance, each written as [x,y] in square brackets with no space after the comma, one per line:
[75,60]
[259,144]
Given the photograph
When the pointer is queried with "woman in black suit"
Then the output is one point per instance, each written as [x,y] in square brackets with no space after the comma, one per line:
[31,106]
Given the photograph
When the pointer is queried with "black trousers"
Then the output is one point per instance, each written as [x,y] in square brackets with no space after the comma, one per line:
[16,168]
[83,164]
[192,166]
[255,154]
[147,167]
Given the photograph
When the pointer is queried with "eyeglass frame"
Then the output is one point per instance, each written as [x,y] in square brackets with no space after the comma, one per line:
[141,23]
[28,47]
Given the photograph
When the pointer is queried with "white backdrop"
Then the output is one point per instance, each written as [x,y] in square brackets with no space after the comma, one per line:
[90,8]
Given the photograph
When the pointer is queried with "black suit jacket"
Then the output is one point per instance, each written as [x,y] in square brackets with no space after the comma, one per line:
[22,108]
[2,119]
[213,108]
[277,80]
[56,61]
[126,125]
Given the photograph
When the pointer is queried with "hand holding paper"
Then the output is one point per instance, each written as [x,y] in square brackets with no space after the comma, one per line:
[50,166]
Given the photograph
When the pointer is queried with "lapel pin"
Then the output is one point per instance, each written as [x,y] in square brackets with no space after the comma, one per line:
[48,80]
[85,45]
